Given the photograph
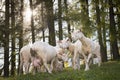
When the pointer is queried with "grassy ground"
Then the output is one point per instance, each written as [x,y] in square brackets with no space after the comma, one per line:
[108,71]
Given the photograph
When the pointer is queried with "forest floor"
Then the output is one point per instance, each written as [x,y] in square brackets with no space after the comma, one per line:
[108,71]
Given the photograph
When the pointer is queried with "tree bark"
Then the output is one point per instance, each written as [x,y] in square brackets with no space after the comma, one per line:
[6,40]
[43,20]
[112,29]
[21,33]
[60,20]
[98,21]
[68,21]
[13,37]
[104,28]
[50,22]
[32,22]
[118,22]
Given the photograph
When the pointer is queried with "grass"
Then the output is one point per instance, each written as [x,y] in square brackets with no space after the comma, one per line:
[108,71]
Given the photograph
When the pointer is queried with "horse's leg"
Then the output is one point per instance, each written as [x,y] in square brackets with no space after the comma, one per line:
[27,65]
[53,64]
[46,66]
[89,57]
[99,59]
[86,63]
[75,62]
[78,63]
[21,67]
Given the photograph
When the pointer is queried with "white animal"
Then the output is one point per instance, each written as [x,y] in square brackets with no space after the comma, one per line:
[62,56]
[47,54]
[25,59]
[76,50]
[89,46]
[36,64]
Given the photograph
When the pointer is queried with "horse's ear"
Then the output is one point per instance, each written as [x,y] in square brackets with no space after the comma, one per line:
[59,41]
[68,39]
[71,32]
[80,30]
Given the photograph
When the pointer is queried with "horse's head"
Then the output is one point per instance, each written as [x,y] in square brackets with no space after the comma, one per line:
[64,43]
[76,34]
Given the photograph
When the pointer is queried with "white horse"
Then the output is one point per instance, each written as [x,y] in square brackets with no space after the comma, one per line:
[76,51]
[89,46]
[25,59]
[48,54]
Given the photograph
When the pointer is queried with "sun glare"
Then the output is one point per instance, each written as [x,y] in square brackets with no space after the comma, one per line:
[27,14]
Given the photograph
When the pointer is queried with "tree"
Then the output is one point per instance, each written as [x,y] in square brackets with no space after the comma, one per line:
[32,22]
[104,26]
[13,37]
[99,27]
[60,20]
[50,22]
[20,31]
[112,29]
[43,20]
[85,20]
[117,6]
[68,21]
[6,39]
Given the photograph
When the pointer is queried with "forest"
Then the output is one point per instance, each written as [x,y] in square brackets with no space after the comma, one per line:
[26,21]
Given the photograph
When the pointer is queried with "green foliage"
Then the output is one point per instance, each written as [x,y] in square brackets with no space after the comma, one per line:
[107,71]
[79,18]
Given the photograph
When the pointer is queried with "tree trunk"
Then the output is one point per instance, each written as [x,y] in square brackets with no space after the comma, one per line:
[43,34]
[6,40]
[60,20]
[102,48]
[50,22]
[20,33]
[43,20]
[112,29]
[32,22]
[13,37]
[68,22]
[117,6]
[118,19]
[104,42]
[85,21]
[104,28]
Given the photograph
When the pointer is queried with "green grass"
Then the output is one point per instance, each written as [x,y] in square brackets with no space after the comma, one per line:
[108,71]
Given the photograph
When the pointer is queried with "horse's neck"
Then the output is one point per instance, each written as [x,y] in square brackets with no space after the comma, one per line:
[84,41]
[71,47]
[57,46]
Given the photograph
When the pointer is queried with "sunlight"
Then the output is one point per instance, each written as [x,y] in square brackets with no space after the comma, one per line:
[27,17]
[27,14]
